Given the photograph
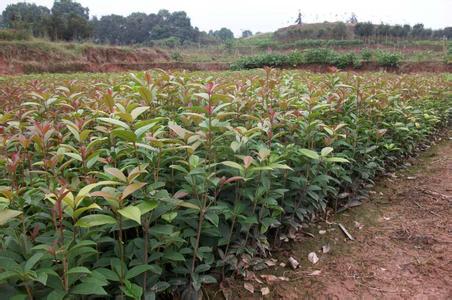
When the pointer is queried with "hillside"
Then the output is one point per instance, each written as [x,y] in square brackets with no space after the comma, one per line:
[42,56]
[325,30]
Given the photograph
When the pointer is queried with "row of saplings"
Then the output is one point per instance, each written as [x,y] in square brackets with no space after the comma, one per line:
[130,196]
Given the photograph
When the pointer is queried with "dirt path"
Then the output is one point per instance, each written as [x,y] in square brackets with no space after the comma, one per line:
[402,247]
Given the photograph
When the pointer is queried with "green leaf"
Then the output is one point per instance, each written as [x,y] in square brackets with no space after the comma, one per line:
[132,188]
[74,156]
[143,129]
[181,132]
[88,288]
[131,213]
[160,286]
[337,159]
[202,268]
[138,111]
[137,270]
[207,279]
[123,134]
[233,165]
[6,275]
[147,205]
[161,229]
[95,220]
[116,173]
[309,153]
[169,217]
[87,189]
[81,210]
[325,151]
[174,256]
[132,290]
[79,270]
[56,295]
[31,262]
[213,218]
[42,277]
[114,122]
[8,214]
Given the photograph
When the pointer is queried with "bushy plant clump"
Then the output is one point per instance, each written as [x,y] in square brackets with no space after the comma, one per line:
[161,182]
[388,59]
[14,35]
[323,56]
[307,43]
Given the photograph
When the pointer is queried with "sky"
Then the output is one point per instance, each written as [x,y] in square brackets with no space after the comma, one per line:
[266,16]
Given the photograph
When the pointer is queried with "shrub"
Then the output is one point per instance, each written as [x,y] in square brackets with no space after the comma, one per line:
[269,60]
[319,56]
[366,55]
[388,59]
[176,56]
[14,35]
[346,60]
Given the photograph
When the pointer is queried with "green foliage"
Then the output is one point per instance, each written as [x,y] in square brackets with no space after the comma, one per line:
[27,17]
[388,59]
[176,56]
[308,43]
[224,34]
[320,56]
[14,35]
[269,60]
[343,60]
[157,183]
[175,28]
[366,54]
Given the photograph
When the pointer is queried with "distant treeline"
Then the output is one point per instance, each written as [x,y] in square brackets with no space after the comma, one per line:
[68,20]
[364,30]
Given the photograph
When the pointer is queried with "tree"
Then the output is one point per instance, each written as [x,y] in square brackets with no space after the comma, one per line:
[70,21]
[383,30]
[26,16]
[397,31]
[109,29]
[339,31]
[142,28]
[246,33]
[406,30]
[418,30]
[364,30]
[224,34]
[448,32]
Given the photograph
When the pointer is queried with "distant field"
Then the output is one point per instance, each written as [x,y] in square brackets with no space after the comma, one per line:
[38,56]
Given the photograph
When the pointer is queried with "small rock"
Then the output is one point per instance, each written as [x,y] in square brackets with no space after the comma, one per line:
[293,263]
[359,225]
[312,257]
[411,178]
[282,265]
[265,291]
[322,232]
[249,287]
[271,262]
[315,273]
[326,248]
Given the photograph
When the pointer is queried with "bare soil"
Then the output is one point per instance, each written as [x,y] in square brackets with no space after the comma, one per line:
[401,247]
